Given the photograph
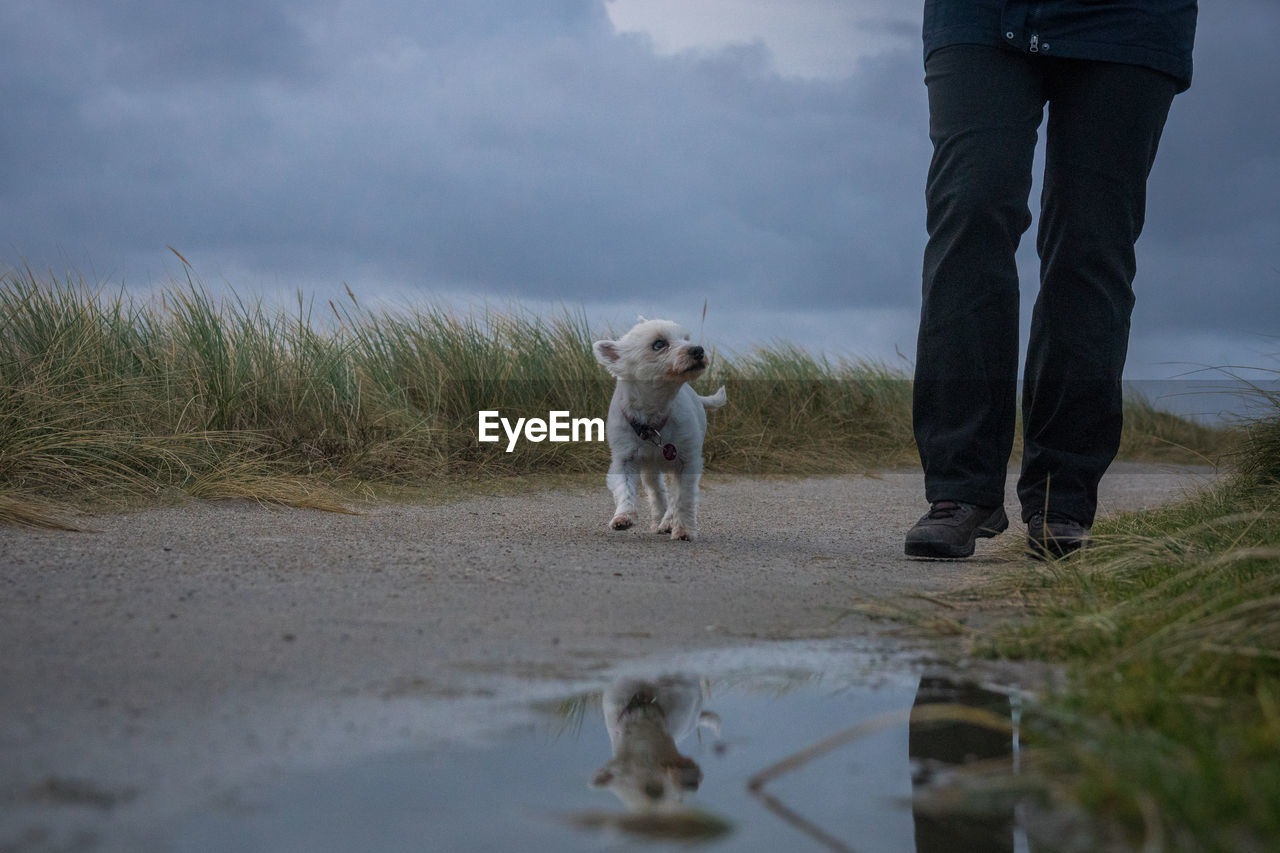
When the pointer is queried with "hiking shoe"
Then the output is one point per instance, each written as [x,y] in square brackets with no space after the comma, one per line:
[1052,535]
[950,528]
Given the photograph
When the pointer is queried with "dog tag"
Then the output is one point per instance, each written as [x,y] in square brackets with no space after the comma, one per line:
[669,452]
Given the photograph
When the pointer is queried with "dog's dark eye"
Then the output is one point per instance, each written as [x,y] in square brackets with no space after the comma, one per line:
[659,344]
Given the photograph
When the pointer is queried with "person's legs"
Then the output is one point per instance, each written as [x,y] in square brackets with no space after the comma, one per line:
[985,105]
[1104,126]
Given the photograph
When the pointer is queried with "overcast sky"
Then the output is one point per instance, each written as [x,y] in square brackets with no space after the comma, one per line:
[622,156]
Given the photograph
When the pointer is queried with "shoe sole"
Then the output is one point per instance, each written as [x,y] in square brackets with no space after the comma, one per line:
[1053,549]
[995,524]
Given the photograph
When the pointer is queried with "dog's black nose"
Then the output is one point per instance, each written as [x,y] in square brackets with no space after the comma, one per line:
[695,352]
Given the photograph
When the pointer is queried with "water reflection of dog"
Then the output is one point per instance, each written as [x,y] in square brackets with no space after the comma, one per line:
[645,720]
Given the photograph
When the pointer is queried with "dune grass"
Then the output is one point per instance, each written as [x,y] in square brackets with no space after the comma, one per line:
[1169,727]
[110,398]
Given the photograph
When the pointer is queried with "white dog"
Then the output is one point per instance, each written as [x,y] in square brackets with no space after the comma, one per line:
[656,424]
[645,720]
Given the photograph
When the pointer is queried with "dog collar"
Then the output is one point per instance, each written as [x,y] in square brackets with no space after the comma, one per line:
[644,430]
[652,434]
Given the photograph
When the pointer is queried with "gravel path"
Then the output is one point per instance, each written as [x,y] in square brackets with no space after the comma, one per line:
[150,665]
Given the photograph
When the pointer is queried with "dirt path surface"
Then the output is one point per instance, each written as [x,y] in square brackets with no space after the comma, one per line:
[152,664]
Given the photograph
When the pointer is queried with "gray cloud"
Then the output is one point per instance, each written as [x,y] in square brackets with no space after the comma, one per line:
[513,149]
[1211,249]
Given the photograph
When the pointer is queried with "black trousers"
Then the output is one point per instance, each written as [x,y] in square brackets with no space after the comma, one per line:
[1105,120]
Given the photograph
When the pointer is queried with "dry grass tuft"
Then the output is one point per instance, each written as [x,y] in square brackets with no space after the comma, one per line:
[26,511]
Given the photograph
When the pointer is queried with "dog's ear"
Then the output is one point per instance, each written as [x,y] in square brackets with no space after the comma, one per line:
[606,352]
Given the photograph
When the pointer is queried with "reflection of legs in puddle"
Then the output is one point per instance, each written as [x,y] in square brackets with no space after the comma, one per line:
[939,741]
[645,719]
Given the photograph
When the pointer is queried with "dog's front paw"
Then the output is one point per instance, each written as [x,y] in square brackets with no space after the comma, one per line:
[664,525]
[623,520]
[679,531]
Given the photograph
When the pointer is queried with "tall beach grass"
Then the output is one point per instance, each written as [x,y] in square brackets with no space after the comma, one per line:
[110,397]
[1169,726]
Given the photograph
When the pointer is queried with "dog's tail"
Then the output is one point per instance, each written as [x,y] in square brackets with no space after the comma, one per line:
[715,401]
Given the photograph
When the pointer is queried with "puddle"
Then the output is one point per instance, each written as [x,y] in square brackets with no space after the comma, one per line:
[790,747]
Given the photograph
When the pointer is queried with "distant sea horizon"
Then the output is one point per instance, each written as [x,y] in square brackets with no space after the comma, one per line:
[1216,401]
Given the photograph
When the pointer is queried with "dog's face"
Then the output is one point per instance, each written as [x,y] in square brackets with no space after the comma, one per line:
[653,351]
[647,771]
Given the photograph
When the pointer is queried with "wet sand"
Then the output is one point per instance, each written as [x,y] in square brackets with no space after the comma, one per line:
[154,665]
